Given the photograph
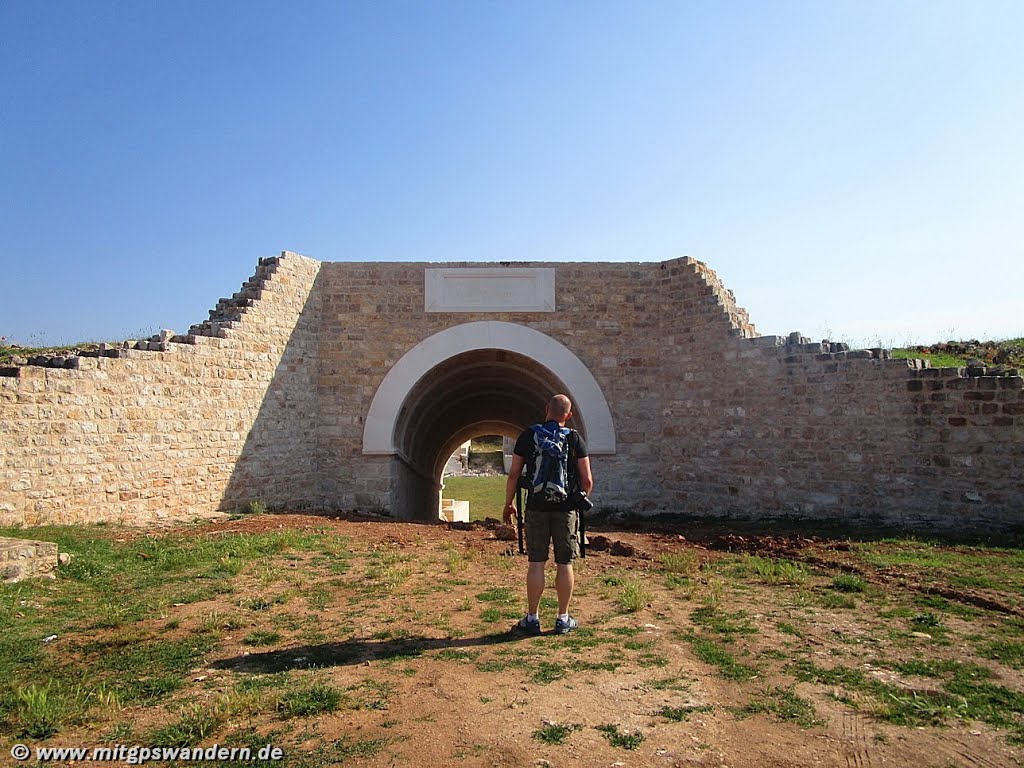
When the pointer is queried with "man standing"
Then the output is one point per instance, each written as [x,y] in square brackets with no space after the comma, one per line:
[557,466]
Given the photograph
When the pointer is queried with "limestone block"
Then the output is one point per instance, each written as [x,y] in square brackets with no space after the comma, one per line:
[24,558]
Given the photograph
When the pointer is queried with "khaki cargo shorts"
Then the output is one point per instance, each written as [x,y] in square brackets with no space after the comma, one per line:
[561,526]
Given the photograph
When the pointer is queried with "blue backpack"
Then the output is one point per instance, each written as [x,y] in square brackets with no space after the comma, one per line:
[550,481]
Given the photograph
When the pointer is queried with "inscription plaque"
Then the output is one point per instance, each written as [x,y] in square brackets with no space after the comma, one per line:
[471,289]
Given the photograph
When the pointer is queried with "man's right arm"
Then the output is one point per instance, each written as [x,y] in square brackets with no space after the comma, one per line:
[585,475]
[511,485]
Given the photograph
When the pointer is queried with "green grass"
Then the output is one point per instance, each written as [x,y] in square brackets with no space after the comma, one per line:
[547,672]
[312,700]
[954,354]
[848,582]
[109,610]
[1008,652]
[789,629]
[724,623]
[340,751]
[486,444]
[505,595]
[686,563]
[711,653]
[261,637]
[456,560]
[772,571]
[966,694]
[485,494]
[833,600]
[941,667]
[972,567]
[784,704]
[937,359]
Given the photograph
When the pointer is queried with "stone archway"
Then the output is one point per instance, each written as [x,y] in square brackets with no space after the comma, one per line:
[473,378]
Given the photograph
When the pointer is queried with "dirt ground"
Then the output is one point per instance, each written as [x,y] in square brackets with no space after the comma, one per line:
[414,629]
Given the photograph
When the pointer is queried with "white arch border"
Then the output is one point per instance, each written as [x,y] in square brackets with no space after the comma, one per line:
[379,429]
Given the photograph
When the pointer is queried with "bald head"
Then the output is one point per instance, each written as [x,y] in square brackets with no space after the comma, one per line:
[558,409]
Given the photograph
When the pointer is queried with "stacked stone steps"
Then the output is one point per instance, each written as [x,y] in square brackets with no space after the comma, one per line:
[230,311]
[723,298]
[225,317]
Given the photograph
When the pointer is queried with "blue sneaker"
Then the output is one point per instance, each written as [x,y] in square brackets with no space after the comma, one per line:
[565,627]
[528,625]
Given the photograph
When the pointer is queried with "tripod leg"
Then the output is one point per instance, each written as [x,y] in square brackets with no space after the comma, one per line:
[519,521]
[583,534]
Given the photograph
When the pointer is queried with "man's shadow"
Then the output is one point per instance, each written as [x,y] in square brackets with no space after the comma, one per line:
[354,651]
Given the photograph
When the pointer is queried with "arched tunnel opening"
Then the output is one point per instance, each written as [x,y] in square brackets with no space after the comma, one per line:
[483,391]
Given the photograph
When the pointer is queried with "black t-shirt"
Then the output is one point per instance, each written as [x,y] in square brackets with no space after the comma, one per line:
[527,448]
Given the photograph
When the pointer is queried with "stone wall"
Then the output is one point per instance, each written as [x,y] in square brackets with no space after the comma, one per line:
[268,400]
[795,429]
[173,427]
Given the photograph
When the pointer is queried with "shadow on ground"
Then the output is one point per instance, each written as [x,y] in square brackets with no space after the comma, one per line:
[350,652]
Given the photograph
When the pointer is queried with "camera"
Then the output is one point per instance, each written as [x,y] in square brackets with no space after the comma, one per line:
[580,502]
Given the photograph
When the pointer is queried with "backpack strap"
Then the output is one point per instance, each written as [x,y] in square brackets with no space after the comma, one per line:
[571,469]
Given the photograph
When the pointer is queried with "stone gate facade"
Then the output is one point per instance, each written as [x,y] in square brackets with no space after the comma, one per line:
[347,385]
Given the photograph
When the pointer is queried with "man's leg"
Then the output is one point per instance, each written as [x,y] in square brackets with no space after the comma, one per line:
[534,586]
[538,535]
[564,580]
[566,540]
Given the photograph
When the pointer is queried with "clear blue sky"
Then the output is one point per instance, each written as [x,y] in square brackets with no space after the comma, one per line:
[851,169]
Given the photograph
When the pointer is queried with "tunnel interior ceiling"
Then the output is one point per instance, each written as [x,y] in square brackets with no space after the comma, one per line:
[473,393]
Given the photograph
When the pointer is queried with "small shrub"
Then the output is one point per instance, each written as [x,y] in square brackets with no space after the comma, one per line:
[679,714]
[196,723]
[454,561]
[555,733]
[40,710]
[633,596]
[618,739]
[256,507]
[929,620]
[255,603]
